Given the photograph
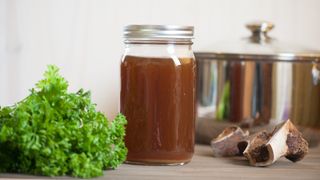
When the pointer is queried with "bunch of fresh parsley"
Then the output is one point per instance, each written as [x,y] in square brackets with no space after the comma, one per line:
[53,132]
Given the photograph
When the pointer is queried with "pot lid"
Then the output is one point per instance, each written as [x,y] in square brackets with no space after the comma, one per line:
[260,46]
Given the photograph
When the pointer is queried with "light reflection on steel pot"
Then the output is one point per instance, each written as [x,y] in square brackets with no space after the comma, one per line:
[256,83]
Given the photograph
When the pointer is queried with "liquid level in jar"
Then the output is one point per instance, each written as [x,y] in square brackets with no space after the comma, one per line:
[158,100]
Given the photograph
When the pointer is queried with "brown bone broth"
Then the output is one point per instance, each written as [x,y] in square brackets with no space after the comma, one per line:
[158,99]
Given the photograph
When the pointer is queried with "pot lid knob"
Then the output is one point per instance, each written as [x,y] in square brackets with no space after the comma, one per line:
[260,26]
[259,30]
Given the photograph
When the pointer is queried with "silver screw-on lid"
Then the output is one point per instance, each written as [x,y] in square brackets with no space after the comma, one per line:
[158,32]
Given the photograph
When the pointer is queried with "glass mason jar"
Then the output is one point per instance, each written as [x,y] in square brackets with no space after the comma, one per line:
[158,94]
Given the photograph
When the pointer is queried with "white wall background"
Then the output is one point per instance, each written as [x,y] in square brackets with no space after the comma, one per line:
[83,37]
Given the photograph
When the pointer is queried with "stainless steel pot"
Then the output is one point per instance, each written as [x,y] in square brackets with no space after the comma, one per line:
[256,83]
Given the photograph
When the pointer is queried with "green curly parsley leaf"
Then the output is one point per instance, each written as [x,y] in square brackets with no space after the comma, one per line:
[52,132]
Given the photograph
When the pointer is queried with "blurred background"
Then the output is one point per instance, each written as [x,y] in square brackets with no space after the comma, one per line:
[84,37]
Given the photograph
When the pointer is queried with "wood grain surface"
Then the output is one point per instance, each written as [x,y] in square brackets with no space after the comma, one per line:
[205,166]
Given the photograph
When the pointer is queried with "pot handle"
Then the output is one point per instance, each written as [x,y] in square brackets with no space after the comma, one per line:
[315,72]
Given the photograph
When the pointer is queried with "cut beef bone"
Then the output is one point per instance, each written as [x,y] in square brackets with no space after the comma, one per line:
[285,140]
[226,144]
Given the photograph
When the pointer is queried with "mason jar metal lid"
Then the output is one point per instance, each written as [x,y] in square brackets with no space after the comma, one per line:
[158,32]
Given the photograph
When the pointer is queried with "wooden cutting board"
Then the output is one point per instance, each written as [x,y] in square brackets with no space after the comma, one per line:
[205,166]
